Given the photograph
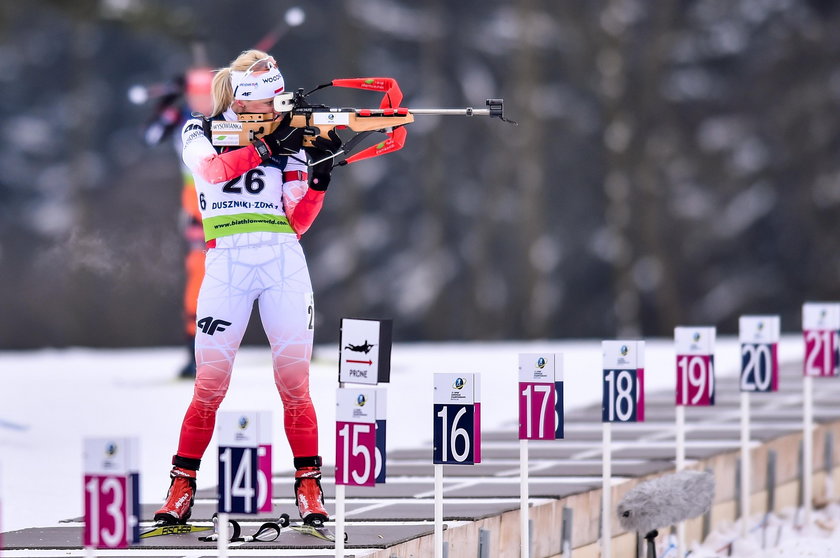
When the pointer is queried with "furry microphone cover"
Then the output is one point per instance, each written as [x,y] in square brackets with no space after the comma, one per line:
[666,500]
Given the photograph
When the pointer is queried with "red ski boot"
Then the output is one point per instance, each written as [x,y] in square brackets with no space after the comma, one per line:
[308,493]
[181,495]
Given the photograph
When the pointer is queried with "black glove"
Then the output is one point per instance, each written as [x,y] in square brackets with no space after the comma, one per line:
[285,140]
[321,148]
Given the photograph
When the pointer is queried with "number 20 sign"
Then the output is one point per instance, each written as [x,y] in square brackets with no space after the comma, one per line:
[457,415]
[821,325]
[111,492]
[695,348]
[355,436]
[759,336]
[623,396]
[540,396]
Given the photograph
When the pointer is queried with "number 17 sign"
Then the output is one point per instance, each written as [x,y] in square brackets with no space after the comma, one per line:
[540,397]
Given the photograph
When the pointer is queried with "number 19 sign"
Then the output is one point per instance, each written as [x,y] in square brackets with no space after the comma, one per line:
[457,411]
[695,348]
[624,381]
[759,336]
[112,502]
[540,397]
[355,436]
[821,325]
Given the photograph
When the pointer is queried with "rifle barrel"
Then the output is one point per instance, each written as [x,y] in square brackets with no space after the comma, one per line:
[469,111]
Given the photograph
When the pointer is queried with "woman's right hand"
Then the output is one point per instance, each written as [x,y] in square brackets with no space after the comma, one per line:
[286,139]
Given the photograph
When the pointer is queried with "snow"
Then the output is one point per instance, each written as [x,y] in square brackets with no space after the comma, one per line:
[53,399]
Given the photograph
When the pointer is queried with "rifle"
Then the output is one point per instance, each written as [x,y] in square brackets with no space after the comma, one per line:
[389,118]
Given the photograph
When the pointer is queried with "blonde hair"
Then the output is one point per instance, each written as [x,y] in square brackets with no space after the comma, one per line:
[222,89]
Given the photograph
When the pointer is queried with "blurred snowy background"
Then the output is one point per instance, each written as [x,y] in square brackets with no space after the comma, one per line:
[676,161]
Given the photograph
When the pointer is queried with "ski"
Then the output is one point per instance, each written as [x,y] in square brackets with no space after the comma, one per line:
[162,529]
[322,533]
[318,529]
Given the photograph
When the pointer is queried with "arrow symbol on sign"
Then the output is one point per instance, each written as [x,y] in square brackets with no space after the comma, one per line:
[368,362]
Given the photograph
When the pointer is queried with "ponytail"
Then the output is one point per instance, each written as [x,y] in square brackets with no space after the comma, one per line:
[222,92]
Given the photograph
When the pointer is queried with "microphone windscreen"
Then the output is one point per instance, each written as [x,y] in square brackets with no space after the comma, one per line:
[666,500]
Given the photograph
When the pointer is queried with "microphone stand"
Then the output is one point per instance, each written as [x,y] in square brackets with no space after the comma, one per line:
[651,547]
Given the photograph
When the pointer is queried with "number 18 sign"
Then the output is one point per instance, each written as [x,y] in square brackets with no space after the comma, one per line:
[540,396]
[112,501]
[457,426]
[821,325]
[695,348]
[624,381]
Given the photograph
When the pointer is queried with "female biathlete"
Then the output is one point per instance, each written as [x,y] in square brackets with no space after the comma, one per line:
[255,203]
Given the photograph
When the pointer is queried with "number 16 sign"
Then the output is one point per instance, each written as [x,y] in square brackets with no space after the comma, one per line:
[457,419]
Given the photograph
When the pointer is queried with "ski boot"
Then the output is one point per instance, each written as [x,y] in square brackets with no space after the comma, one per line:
[181,495]
[308,493]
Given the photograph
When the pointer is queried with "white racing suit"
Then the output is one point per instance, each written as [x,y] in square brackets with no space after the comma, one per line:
[253,214]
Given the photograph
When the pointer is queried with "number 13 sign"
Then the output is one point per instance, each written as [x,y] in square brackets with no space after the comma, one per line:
[821,324]
[111,492]
[695,347]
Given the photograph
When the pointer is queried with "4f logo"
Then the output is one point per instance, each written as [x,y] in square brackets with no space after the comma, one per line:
[210,326]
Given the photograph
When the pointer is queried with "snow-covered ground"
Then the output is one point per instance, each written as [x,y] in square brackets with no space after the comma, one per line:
[52,399]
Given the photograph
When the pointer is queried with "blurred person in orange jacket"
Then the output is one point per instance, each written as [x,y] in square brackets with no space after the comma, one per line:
[195,89]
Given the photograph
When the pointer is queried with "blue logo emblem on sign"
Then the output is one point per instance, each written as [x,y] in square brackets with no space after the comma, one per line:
[541,362]
[624,350]
[243,423]
[459,383]
[111,449]
[696,336]
[360,400]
